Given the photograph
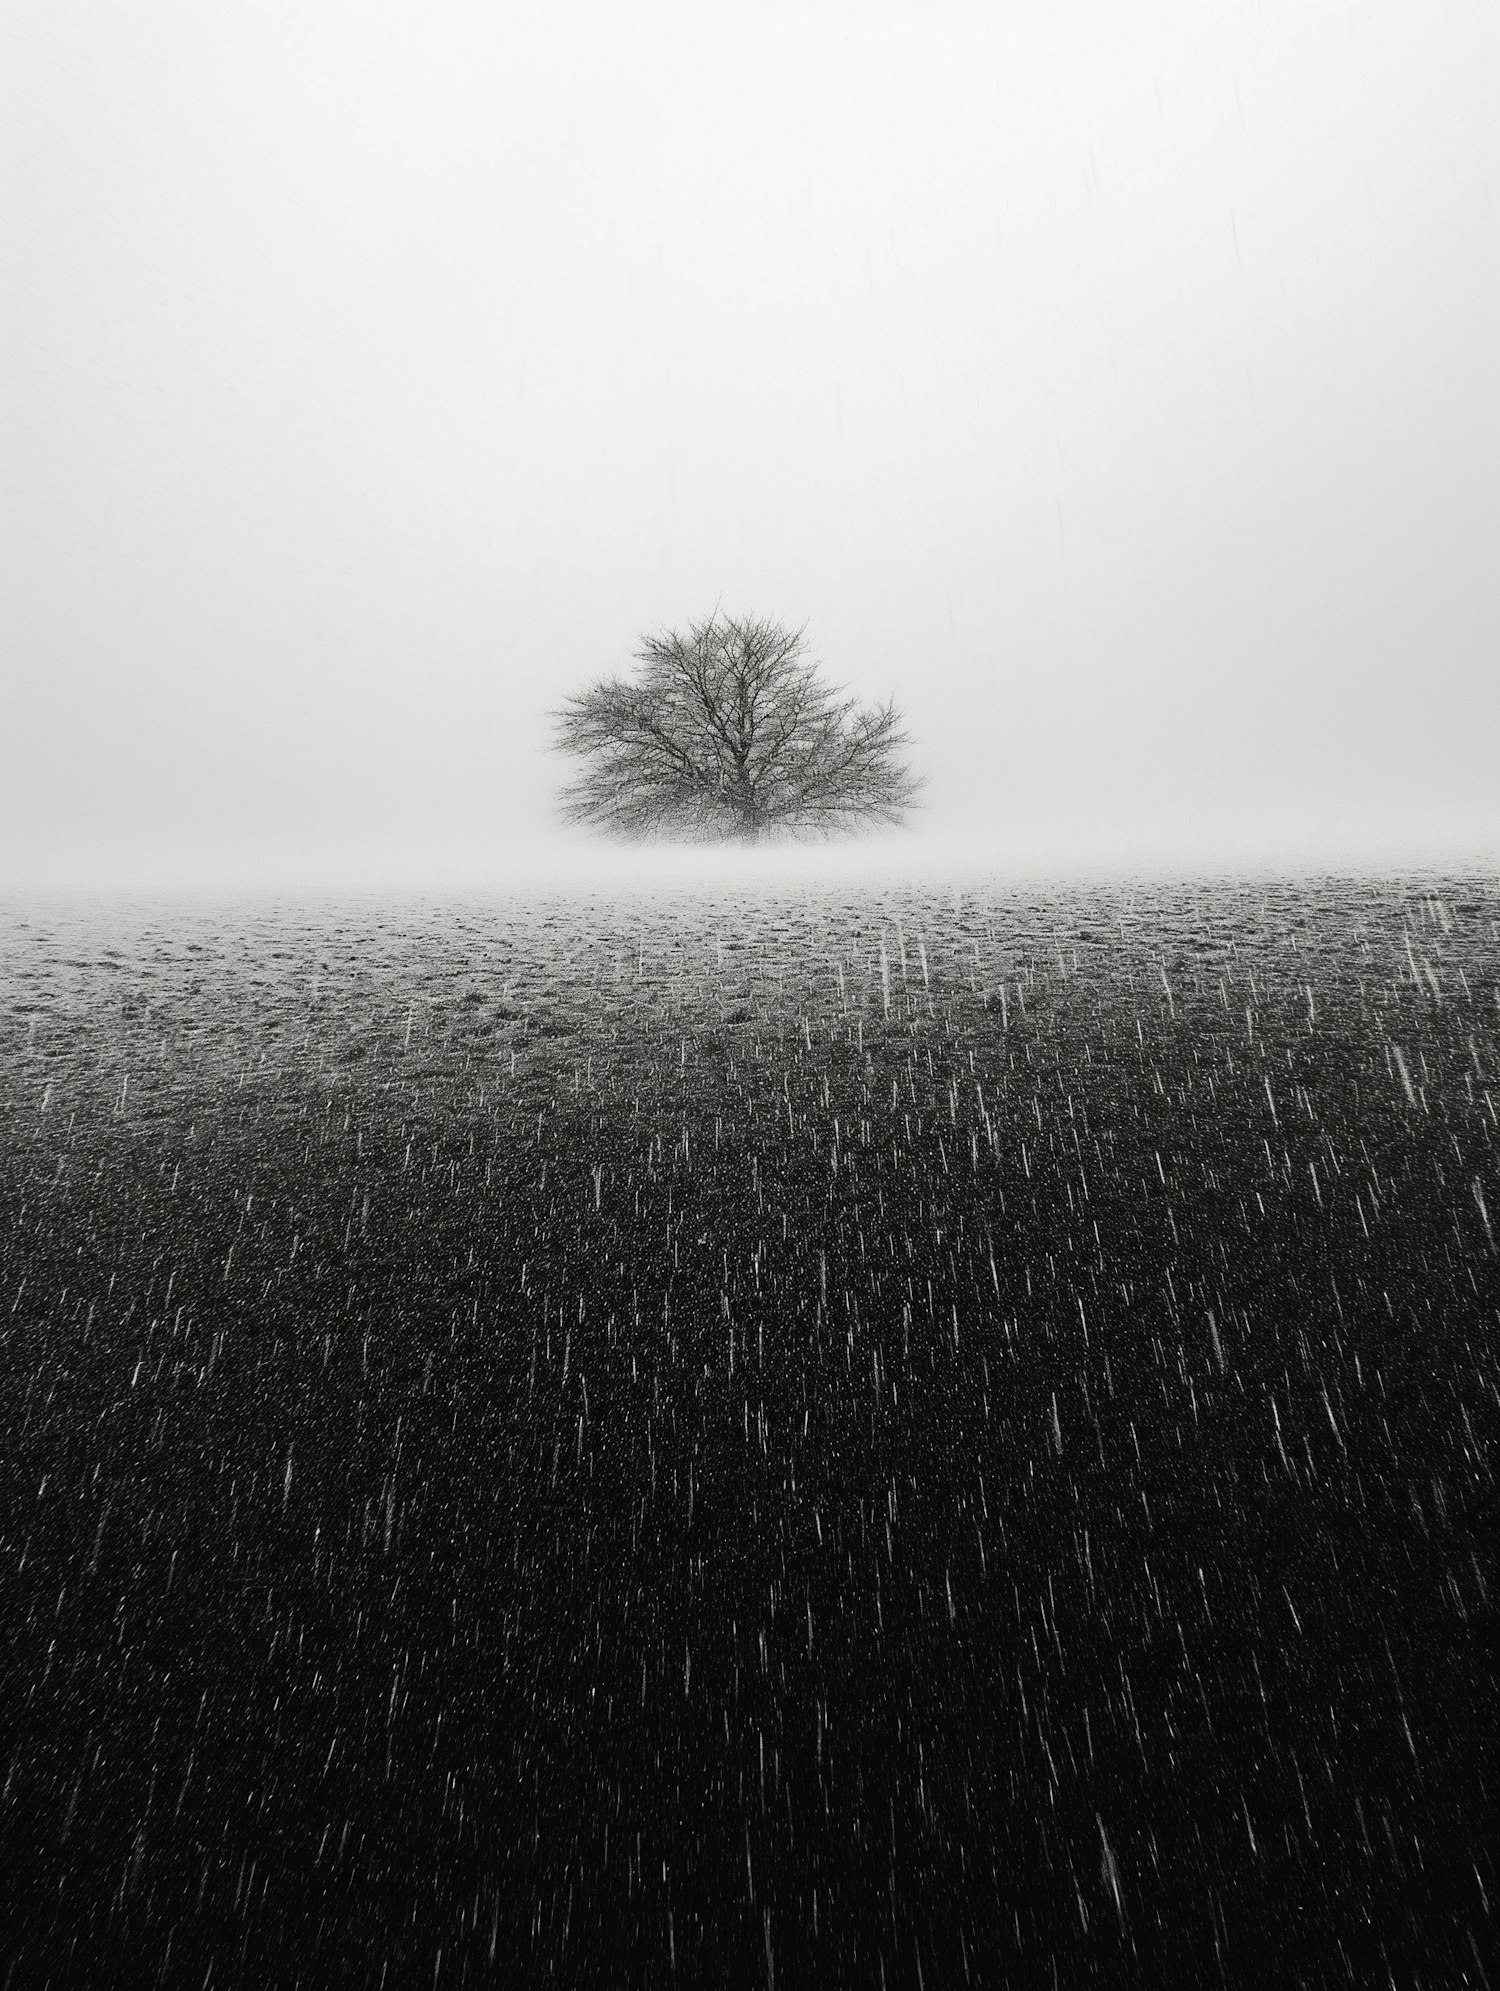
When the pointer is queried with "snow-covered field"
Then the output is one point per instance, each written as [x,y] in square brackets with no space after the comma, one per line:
[816,1430]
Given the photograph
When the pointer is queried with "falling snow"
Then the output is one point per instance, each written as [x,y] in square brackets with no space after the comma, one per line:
[882,1436]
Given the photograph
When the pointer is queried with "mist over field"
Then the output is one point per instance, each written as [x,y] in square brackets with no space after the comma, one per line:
[1114,386]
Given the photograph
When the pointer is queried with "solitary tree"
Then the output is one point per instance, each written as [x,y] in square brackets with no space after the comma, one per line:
[728,734]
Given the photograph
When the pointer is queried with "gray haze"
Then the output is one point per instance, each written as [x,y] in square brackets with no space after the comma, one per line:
[1114,382]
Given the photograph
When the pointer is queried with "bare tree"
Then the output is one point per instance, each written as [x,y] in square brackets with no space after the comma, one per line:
[728,734]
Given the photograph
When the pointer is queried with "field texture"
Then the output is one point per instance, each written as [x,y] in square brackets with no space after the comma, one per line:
[883,1438]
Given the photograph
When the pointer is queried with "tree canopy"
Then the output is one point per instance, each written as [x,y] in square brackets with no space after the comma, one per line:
[728,733]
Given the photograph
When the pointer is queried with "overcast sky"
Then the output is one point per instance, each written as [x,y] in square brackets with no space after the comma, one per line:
[1115,383]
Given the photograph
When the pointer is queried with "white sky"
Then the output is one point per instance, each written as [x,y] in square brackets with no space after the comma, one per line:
[1114,382]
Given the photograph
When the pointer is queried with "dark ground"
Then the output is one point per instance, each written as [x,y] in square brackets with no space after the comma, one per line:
[524,1460]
